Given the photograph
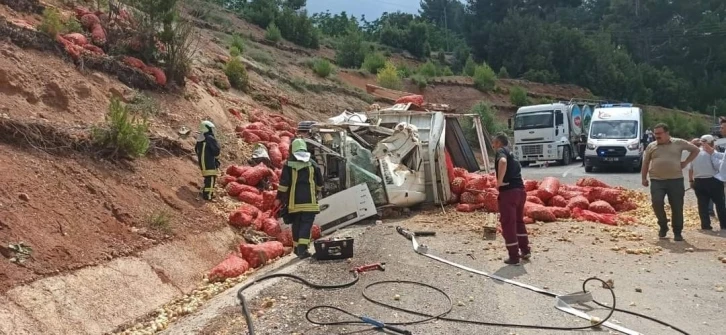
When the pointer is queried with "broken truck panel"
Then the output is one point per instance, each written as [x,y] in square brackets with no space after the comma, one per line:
[401,165]
[345,208]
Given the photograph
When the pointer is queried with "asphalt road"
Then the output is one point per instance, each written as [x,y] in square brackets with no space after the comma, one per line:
[678,282]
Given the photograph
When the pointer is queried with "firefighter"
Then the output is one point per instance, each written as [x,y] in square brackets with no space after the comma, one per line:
[300,182]
[207,149]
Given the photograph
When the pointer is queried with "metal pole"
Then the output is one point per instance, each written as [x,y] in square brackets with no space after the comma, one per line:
[482,142]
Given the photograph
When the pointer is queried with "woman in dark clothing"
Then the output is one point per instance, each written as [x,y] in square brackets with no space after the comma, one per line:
[512,197]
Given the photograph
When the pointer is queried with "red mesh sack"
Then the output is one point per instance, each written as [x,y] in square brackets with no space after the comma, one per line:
[528,220]
[285,237]
[530,185]
[458,185]
[275,155]
[578,202]
[592,182]
[534,193]
[558,201]
[560,213]
[240,219]
[586,215]
[262,134]
[133,62]
[81,11]
[601,207]
[98,35]
[268,200]
[535,200]
[249,137]
[234,189]
[609,195]
[567,195]
[271,227]
[548,188]
[283,126]
[254,175]
[158,74]
[468,198]
[226,180]
[491,203]
[259,254]
[542,214]
[93,49]
[480,183]
[454,198]
[89,21]
[252,198]
[76,38]
[315,233]
[625,206]
[466,208]
[234,170]
[414,99]
[460,172]
[256,125]
[233,266]
[285,133]
[449,166]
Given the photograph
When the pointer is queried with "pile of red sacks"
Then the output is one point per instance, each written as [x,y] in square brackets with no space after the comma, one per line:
[257,209]
[548,200]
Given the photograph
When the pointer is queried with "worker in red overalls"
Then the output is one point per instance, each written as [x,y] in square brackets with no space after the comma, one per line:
[512,197]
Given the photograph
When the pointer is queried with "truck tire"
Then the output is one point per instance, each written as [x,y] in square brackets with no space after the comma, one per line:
[566,156]
[524,164]
[588,169]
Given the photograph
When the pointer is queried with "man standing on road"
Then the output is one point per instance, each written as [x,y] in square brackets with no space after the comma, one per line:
[697,143]
[703,181]
[512,197]
[582,146]
[718,160]
[662,160]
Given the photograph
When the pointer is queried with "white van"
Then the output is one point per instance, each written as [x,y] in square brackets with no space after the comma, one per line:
[614,137]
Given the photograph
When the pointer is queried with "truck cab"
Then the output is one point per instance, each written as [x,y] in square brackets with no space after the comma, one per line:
[615,137]
[543,133]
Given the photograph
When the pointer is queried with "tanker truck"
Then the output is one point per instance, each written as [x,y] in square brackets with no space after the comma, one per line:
[551,132]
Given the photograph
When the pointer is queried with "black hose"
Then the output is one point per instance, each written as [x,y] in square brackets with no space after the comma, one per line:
[426,317]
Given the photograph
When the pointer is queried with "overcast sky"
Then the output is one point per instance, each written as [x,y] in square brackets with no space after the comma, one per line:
[372,9]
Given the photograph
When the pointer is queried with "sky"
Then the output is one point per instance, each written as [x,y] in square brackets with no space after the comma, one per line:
[372,9]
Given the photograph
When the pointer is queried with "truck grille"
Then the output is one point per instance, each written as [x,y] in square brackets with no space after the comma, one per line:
[531,150]
[611,151]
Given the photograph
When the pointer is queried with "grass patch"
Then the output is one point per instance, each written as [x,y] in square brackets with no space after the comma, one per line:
[161,221]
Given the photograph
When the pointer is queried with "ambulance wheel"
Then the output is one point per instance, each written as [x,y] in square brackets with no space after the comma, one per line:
[588,168]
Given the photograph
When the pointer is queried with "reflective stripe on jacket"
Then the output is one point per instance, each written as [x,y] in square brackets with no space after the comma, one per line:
[299,184]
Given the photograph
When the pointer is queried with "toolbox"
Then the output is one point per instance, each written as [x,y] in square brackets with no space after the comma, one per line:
[336,248]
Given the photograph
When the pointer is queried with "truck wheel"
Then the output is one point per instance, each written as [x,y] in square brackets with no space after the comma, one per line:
[566,156]
[588,168]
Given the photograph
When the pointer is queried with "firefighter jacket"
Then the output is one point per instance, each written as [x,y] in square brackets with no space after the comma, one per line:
[208,155]
[299,184]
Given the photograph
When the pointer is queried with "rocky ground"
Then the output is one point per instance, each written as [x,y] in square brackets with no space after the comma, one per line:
[659,278]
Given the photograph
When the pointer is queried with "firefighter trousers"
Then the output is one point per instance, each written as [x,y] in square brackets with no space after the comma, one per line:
[511,216]
[302,226]
[208,188]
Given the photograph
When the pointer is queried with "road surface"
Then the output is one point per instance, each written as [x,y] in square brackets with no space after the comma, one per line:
[678,282]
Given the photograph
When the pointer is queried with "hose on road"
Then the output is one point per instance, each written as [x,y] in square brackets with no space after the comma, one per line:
[426,317]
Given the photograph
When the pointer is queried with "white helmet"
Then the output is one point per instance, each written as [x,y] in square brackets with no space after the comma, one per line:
[206,126]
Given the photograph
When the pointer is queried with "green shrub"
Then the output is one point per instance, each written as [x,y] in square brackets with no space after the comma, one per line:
[51,24]
[488,116]
[420,81]
[447,72]
[237,42]
[234,52]
[72,25]
[144,105]
[428,70]
[260,56]
[469,67]
[322,67]
[484,78]
[160,221]
[237,74]
[273,33]
[373,62]
[518,96]
[540,76]
[388,77]
[123,136]
[404,71]
[503,73]
[351,51]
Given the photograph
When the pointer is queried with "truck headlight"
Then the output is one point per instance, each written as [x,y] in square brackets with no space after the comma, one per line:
[633,146]
[590,146]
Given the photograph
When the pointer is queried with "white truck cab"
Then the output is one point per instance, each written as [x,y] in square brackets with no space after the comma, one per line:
[614,137]
[545,133]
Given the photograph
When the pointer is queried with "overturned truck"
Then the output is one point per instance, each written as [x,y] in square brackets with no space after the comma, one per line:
[401,156]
